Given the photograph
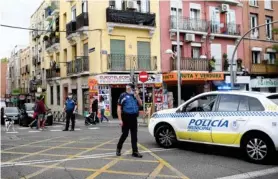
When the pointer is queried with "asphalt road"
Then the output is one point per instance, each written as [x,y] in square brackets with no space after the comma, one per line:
[89,152]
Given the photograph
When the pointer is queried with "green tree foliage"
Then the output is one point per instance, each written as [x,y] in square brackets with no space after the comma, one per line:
[4,60]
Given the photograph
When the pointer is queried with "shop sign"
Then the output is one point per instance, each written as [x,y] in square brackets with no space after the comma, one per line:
[194,76]
[113,79]
[264,83]
[238,80]
[157,78]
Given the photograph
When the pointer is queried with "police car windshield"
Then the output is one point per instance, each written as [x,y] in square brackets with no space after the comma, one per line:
[273,98]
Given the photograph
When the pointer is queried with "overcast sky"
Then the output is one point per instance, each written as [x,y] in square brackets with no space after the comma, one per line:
[15,13]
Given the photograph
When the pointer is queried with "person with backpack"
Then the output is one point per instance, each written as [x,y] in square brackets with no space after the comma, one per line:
[70,108]
[128,111]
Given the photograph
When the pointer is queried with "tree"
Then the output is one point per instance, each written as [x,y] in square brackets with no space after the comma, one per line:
[275,32]
[5,59]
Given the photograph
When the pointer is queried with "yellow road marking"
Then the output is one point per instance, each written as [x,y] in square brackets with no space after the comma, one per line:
[157,170]
[39,152]
[181,175]
[106,171]
[26,153]
[105,167]
[55,164]
[32,143]
[132,160]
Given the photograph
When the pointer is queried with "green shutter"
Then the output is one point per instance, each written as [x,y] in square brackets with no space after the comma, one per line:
[117,48]
[144,55]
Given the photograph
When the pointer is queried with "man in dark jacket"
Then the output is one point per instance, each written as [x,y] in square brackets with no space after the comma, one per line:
[95,109]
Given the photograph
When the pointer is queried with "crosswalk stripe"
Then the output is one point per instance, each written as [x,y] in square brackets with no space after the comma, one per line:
[34,131]
[94,128]
[12,132]
[56,130]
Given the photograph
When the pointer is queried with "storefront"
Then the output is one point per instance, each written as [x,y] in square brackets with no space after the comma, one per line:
[192,83]
[112,86]
[243,82]
[264,84]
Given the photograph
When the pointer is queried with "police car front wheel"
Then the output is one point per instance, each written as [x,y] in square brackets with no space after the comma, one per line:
[258,148]
[165,136]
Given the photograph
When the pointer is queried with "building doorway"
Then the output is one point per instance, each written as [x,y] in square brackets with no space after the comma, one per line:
[115,94]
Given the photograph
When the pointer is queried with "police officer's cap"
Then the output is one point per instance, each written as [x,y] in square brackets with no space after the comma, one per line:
[132,86]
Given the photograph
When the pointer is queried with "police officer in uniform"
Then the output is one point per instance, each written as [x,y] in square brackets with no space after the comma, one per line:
[128,110]
[70,108]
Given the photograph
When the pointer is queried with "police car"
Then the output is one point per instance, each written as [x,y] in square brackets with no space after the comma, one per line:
[248,120]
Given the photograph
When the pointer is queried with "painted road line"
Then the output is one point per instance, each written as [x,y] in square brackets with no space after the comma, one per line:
[156,171]
[103,155]
[177,172]
[56,126]
[93,128]
[36,142]
[34,131]
[15,132]
[254,174]
[56,130]
[78,129]
[22,128]
[71,157]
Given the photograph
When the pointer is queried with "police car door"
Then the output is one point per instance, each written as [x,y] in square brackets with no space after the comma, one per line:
[229,119]
[195,125]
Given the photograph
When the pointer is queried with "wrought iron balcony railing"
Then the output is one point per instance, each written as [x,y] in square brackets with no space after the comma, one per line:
[50,73]
[71,27]
[79,65]
[82,20]
[121,62]
[225,28]
[130,17]
[192,24]
[52,41]
[191,64]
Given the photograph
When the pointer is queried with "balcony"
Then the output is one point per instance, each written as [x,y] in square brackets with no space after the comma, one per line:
[71,32]
[120,62]
[34,60]
[189,25]
[130,19]
[82,23]
[229,30]
[52,73]
[53,43]
[264,69]
[51,10]
[191,64]
[78,66]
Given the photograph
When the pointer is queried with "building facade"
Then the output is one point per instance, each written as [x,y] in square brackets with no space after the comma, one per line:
[105,40]
[263,64]
[4,67]
[25,62]
[209,31]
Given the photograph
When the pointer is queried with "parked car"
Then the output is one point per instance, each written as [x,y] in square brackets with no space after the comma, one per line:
[246,120]
[12,113]
[27,113]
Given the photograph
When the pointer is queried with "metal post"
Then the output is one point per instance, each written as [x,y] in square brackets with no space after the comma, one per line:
[234,52]
[144,100]
[178,54]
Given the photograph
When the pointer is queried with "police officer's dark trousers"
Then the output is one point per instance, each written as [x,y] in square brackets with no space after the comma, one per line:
[70,116]
[129,123]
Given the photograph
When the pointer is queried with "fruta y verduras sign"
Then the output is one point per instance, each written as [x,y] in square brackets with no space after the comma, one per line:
[194,76]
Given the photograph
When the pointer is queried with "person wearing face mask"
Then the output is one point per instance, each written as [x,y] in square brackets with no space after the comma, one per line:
[70,108]
[128,110]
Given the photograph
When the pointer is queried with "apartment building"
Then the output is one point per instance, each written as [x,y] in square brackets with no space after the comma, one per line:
[105,40]
[4,74]
[263,64]
[25,63]
[209,31]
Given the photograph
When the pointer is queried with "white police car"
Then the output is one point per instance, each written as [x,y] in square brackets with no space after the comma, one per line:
[248,120]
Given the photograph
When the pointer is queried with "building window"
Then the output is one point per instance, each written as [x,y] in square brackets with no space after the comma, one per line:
[58,96]
[254,23]
[268,4]
[195,52]
[270,57]
[195,13]
[73,13]
[51,95]
[256,57]
[175,50]
[268,28]
[84,6]
[253,2]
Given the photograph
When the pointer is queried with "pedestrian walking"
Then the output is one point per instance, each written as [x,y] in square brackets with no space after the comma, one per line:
[95,109]
[128,111]
[70,108]
[39,112]
[43,116]
[102,109]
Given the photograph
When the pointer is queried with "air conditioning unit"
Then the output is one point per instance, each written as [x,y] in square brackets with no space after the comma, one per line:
[190,37]
[131,4]
[266,56]
[224,7]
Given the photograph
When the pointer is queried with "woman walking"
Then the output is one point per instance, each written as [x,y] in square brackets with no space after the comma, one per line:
[102,109]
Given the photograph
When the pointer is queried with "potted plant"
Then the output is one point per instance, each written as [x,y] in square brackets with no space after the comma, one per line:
[239,64]
[226,63]
[211,64]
